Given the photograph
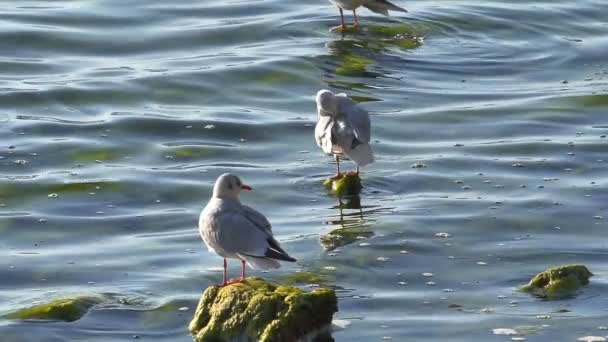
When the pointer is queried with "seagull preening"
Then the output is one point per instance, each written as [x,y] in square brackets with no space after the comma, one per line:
[235,231]
[343,129]
[377,6]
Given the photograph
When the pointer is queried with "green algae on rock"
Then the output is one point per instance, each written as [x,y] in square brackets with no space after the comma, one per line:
[67,309]
[257,310]
[558,282]
[345,184]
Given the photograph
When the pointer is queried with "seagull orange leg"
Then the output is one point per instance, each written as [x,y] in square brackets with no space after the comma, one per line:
[242,270]
[342,19]
[356,20]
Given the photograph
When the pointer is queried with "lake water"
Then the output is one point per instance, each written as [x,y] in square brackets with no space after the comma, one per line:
[116,117]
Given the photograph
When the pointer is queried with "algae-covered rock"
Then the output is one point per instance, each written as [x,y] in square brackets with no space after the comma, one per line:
[345,184]
[257,310]
[343,236]
[558,282]
[67,309]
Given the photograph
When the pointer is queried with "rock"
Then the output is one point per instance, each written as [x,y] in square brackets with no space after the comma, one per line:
[257,310]
[558,282]
[346,184]
[68,309]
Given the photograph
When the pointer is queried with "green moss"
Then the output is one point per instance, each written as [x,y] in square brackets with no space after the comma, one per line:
[558,282]
[83,187]
[353,65]
[343,236]
[257,310]
[346,184]
[393,30]
[68,309]
[91,156]
[349,29]
[598,100]
[190,152]
[303,278]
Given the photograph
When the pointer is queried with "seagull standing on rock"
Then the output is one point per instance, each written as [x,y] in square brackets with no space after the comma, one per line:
[343,129]
[377,6]
[235,231]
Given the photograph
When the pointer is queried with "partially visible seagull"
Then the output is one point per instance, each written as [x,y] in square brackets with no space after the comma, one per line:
[377,6]
[343,129]
[235,231]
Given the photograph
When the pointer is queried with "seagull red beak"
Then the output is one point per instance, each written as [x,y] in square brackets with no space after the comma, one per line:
[246,187]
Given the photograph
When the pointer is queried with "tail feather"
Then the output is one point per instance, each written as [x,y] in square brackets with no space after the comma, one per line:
[383,6]
[362,154]
[258,263]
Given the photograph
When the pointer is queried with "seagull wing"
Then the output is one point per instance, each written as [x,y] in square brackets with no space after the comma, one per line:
[258,219]
[382,6]
[356,117]
[323,132]
[247,234]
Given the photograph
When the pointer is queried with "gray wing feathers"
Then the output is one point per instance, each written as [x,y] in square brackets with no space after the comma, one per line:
[238,235]
[358,118]
[382,7]
[257,219]
[323,131]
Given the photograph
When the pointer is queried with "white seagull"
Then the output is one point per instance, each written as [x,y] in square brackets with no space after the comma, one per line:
[377,6]
[343,129]
[235,231]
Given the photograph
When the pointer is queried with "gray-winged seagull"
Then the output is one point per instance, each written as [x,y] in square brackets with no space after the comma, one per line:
[235,231]
[343,128]
[377,6]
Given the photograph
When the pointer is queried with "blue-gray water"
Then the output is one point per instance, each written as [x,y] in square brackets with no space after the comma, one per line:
[117,116]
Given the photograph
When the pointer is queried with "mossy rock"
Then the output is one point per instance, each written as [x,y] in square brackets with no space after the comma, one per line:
[67,309]
[558,282]
[342,237]
[257,310]
[345,184]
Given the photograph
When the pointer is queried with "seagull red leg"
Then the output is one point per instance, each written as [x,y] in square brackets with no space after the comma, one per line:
[356,20]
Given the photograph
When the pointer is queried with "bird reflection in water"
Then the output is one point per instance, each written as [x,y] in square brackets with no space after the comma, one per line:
[352,222]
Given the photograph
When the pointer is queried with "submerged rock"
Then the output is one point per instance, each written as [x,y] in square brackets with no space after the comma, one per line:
[303,278]
[558,282]
[67,309]
[257,310]
[345,184]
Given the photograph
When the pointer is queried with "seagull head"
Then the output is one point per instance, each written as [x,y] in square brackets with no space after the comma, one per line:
[326,103]
[229,186]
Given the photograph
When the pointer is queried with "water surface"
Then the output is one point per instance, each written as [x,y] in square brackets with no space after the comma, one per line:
[117,116]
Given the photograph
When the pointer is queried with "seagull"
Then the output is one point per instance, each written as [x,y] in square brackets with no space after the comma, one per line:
[343,129]
[377,6]
[235,231]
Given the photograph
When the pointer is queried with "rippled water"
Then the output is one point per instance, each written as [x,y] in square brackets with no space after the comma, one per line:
[117,116]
